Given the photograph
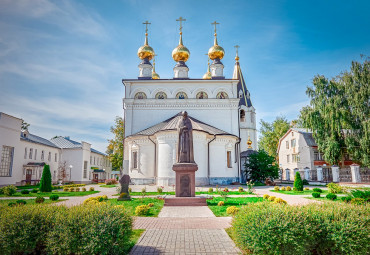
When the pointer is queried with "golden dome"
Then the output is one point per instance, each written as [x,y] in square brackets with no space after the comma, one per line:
[145,51]
[216,51]
[249,142]
[208,74]
[155,76]
[180,53]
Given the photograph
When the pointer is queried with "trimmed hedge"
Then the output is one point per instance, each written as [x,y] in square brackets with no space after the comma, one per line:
[36,229]
[45,182]
[298,184]
[317,190]
[316,194]
[267,228]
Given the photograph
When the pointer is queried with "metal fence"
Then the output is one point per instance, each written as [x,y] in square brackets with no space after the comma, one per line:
[313,175]
[327,175]
[345,175]
[365,174]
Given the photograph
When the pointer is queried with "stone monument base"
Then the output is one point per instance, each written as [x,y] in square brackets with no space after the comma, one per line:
[185,201]
[185,179]
[124,198]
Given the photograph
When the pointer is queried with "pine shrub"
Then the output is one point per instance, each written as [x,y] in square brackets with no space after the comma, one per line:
[316,194]
[282,189]
[9,190]
[288,188]
[305,182]
[210,190]
[221,203]
[240,189]
[35,190]
[276,188]
[54,197]
[331,196]
[317,190]
[335,188]
[306,188]
[21,202]
[25,191]
[279,201]
[346,199]
[91,189]
[272,198]
[83,189]
[298,184]
[232,210]
[77,189]
[266,196]
[45,182]
[39,200]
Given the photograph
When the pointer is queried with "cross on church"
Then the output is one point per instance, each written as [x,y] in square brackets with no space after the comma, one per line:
[181,20]
[237,48]
[215,23]
[146,23]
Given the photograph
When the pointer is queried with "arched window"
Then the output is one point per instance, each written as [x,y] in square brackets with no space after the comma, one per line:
[25,153]
[42,155]
[161,95]
[181,95]
[240,93]
[222,95]
[242,115]
[201,95]
[140,95]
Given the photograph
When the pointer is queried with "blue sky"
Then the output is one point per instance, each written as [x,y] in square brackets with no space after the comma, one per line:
[61,62]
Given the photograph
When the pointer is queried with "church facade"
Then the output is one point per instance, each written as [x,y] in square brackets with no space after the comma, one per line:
[220,110]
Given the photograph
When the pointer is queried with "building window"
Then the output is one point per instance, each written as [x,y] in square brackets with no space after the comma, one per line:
[287,144]
[317,156]
[140,95]
[85,169]
[134,159]
[35,154]
[295,158]
[56,157]
[30,155]
[49,156]
[161,95]
[181,95]
[6,161]
[202,95]
[292,143]
[222,95]
[25,153]
[42,155]
[287,158]
[229,159]
[242,115]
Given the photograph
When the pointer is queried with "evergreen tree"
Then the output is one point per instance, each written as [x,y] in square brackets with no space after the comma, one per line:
[298,183]
[45,183]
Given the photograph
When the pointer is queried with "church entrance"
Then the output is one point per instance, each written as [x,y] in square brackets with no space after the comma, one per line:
[28,176]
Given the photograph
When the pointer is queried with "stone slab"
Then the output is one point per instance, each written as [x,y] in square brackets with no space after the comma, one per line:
[186,212]
[185,201]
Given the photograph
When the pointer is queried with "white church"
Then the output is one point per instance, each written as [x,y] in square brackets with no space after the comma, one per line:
[220,109]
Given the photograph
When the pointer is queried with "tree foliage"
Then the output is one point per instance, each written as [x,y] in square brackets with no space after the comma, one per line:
[24,126]
[45,182]
[260,166]
[298,183]
[271,133]
[339,114]
[115,147]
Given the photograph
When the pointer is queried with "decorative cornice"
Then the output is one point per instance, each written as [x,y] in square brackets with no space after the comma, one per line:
[181,104]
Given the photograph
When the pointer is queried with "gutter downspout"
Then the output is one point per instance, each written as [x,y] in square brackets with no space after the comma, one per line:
[239,161]
[237,158]
[155,160]
[209,169]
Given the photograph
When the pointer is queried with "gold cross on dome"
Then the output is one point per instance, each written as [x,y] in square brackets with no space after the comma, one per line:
[181,20]
[215,23]
[146,23]
[237,48]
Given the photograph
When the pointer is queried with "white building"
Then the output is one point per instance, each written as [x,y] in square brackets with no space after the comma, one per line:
[220,110]
[23,156]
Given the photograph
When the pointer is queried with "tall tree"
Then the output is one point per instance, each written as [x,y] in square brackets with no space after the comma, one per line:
[339,114]
[271,133]
[25,126]
[115,147]
[260,166]
[45,182]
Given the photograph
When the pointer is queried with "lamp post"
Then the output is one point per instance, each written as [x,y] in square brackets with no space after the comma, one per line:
[70,172]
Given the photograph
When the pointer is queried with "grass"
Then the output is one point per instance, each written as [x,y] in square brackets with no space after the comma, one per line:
[324,199]
[196,193]
[59,193]
[136,233]
[108,186]
[134,202]
[30,201]
[305,192]
[220,211]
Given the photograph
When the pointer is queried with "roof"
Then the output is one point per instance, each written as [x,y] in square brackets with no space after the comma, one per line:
[247,153]
[237,75]
[171,124]
[306,133]
[37,139]
[67,143]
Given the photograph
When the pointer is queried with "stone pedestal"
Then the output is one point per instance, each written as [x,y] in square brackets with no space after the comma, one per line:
[355,171]
[335,173]
[185,179]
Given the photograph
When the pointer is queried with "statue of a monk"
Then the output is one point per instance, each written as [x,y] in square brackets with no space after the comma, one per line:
[185,153]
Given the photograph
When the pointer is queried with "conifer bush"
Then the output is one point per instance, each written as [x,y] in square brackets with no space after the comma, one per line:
[39,200]
[282,189]
[298,184]
[45,182]
[83,189]
[316,194]
[272,198]
[142,210]
[210,190]
[21,202]
[241,189]
[276,188]
[25,191]
[288,188]
[54,197]
[331,196]
[221,203]
[232,210]
[35,190]
[266,196]
[317,190]
[91,189]
[279,201]
[9,190]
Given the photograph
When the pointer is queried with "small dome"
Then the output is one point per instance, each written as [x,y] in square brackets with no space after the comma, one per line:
[145,51]
[155,76]
[180,53]
[207,76]
[216,51]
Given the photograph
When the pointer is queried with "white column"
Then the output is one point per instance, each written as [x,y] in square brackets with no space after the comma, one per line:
[217,70]
[181,70]
[145,70]
[335,171]
[355,170]
[319,174]
[307,173]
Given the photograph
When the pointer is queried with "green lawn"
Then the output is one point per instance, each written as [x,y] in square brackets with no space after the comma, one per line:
[305,192]
[108,186]
[30,201]
[59,193]
[196,193]
[220,211]
[136,233]
[134,202]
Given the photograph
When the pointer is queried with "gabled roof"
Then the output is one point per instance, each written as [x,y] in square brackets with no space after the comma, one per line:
[306,133]
[67,143]
[171,124]
[36,139]
[237,75]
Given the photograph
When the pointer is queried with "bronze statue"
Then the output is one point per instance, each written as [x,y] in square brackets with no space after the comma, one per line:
[185,153]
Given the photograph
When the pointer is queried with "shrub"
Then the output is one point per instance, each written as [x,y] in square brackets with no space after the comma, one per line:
[129,190]
[358,201]
[151,204]
[54,197]
[105,197]
[325,228]
[142,210]
[45,182]
[276,188]
[34,190]
[160,189]
[232,210]
[279,201]
[210,190]
[317,190]
[334,188]
[346,199]
[288,188]
[9,190]
[306,188]
[282,189]
[74,185]
[240,189]
[91,189]
[110,181]
[143,190]
[1,191]
[331,196]
[65,189]
[305,182]
[266,196]
[226,189]
[84,189]
[298,184]
[21,202]
[72,189]
[11,204]
[123,195]
[95,200]
[361,194]
[316,194]
[25,191]
[39,200]
[272,198]
[221,203]
[77,189]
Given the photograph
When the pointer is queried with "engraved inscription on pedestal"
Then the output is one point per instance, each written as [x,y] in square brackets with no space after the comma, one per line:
[185,186]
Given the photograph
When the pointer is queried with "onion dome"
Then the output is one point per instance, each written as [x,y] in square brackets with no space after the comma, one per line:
[145,51]
[216,51]
[180,53]
[249,143]
[208,74]
[155,76]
